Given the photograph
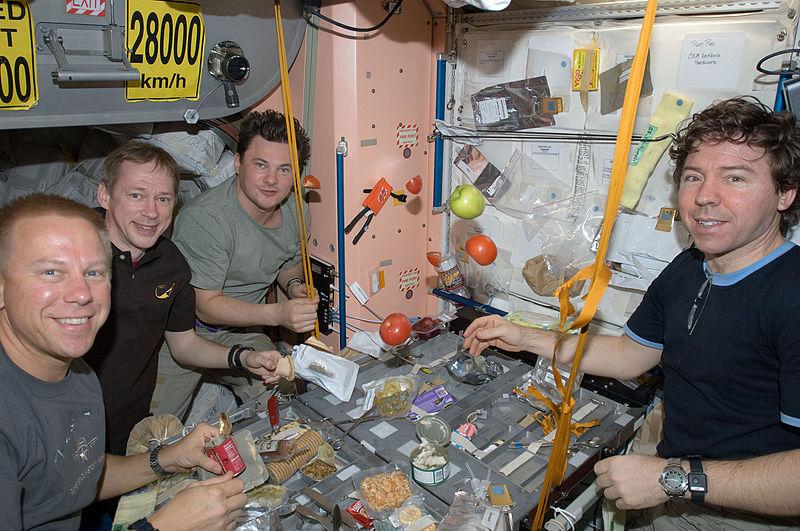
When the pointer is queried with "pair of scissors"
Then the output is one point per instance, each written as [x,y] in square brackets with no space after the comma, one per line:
[373,204]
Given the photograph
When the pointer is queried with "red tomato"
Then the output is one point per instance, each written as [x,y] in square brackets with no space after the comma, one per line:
[414,185]
[395,329]
[482,249]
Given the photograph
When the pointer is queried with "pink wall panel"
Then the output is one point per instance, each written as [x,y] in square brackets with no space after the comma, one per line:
[365,88]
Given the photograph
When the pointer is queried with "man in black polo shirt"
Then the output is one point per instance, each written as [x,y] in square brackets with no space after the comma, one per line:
[151,295]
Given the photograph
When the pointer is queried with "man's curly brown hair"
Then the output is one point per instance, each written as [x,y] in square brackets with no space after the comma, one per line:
[747,121]
[271,126]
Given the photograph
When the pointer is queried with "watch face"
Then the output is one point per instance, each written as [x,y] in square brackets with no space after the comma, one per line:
[674,481]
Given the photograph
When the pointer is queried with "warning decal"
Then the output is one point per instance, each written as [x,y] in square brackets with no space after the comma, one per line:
[408,279]
[407,135]
[94,8]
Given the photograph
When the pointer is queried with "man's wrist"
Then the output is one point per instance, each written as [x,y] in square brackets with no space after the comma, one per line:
[291,282]
[235,356]
[155,462]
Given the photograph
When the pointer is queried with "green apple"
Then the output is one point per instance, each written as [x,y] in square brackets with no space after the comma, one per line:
[467,202]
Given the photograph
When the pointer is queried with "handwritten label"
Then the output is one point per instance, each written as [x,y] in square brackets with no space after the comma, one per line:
[18,85]
[491,59]
[711,61]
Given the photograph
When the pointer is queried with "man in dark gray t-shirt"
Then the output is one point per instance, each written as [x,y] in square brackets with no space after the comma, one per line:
[55,266]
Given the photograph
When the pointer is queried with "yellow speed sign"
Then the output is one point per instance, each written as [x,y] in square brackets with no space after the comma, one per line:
[165,41]
[18,85]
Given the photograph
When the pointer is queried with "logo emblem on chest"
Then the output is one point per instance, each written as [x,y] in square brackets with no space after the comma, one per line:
[163,291]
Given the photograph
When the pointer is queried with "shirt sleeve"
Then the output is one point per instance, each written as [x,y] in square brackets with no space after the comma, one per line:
[788,349]
[646,325]
[182,315]
[198,237]
[10,487]
[293,240]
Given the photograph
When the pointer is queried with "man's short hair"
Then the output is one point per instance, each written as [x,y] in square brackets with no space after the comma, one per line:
[37,205]
[271,126]
[139,153]
[747,121]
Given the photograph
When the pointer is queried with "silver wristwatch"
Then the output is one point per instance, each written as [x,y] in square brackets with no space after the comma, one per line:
[154,464]
[674,479]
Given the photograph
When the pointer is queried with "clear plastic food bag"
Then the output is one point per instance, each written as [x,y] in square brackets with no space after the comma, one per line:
[468,513]
[384,489]
[524,192]
[413,516]
[391,396]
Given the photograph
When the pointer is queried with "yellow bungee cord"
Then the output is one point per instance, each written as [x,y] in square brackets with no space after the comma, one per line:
[598,273]
[292,140]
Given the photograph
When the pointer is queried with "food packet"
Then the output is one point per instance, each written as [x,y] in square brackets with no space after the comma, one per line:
[469,513]
[335,374]
[412,515]
[321,466]
[385,488]
[391,396]
[266,497]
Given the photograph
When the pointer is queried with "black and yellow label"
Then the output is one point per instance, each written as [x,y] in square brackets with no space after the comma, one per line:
[165,41]
[18,85]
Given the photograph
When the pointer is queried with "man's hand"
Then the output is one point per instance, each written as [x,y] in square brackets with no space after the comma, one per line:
[297,291]
[492,331]
[212,504]
[262,364]
[299,314]
[632,480]
[189,452]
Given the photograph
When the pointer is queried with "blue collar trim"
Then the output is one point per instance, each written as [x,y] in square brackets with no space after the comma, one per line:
[729,279]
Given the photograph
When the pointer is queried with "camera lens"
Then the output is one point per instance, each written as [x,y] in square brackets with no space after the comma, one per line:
[236,68]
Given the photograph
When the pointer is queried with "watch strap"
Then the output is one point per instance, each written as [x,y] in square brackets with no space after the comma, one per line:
[154,465]
[292,281]
[142,524]
[235,356]
[698,481]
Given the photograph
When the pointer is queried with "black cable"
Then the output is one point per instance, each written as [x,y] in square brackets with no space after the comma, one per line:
[377,26]
[761,69]
[556,136]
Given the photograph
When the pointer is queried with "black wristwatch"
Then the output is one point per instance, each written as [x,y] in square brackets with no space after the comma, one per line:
[142,525]
[698,482]
[160,472]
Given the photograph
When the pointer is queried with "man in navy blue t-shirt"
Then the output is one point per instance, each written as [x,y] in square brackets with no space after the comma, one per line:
[723,320]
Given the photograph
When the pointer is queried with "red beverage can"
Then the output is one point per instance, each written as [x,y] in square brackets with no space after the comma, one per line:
[222,449]
[272,411]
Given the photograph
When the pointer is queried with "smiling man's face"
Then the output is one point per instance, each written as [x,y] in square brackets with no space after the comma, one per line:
[729,203]
[139,207]
[55,289]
